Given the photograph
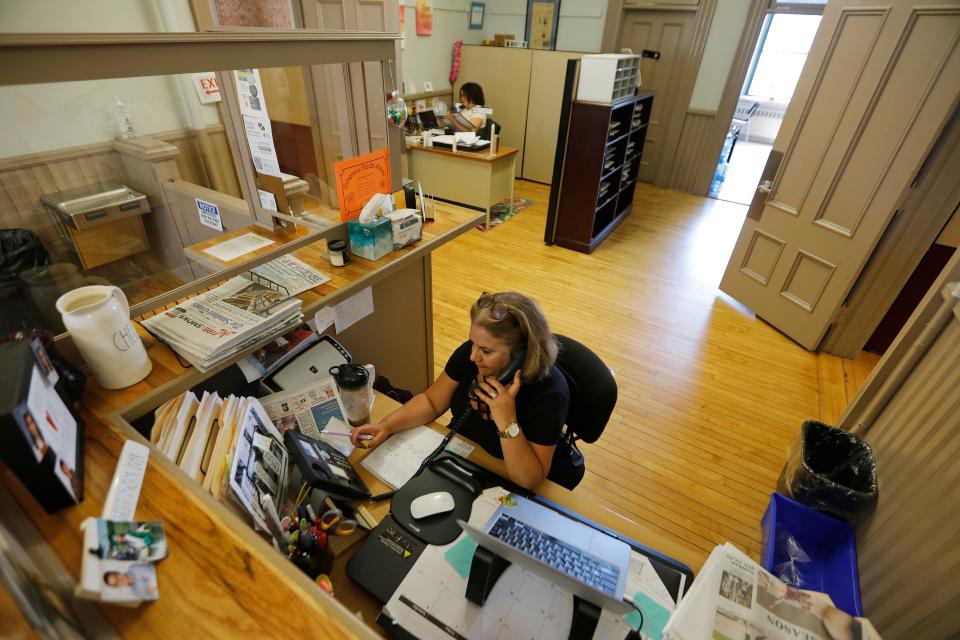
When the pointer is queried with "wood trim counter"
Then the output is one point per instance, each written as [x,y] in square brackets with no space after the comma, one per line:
[479,156]
[221,579]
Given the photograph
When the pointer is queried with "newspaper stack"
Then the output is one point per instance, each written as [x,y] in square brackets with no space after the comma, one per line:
[212,327]
[734,598]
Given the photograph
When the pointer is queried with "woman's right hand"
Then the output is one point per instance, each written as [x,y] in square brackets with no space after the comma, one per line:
[378,430]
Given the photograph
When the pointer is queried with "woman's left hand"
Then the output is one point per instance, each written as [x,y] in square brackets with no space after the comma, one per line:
[501,400]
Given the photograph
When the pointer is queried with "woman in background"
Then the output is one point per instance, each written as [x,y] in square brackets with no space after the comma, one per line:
[471,95]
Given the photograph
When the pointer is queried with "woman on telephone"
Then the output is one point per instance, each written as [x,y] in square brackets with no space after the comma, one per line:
[517,417]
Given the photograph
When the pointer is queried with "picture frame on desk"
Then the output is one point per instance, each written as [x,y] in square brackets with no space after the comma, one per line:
[543,19]
[477,10]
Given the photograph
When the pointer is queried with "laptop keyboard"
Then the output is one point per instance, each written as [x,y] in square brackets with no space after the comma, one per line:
[588,569]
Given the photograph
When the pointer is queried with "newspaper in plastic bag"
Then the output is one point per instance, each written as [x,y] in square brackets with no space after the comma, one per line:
[734,598]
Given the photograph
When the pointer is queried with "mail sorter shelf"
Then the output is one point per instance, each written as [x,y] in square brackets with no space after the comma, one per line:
[604,149]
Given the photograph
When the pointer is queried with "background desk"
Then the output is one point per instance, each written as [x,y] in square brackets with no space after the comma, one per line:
[472,179]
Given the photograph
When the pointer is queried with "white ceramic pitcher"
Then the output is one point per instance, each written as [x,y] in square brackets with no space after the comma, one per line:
[98,318]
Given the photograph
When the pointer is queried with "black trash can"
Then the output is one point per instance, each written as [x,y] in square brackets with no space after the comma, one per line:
[832,471]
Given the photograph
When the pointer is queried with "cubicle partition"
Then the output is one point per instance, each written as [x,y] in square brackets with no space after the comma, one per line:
[525,89]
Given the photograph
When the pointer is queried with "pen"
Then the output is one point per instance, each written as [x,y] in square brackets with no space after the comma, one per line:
[346,435]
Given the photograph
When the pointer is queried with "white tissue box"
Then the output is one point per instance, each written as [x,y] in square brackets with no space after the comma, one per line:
[406,227]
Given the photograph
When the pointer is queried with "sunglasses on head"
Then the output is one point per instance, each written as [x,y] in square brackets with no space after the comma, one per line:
[498,311]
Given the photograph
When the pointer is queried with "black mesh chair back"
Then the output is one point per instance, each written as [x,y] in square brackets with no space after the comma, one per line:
[487,129]
[593,389]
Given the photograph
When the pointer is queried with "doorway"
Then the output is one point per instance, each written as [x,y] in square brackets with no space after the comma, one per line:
[771,79]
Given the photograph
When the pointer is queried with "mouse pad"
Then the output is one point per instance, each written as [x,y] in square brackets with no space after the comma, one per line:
[441,528]
[384,559]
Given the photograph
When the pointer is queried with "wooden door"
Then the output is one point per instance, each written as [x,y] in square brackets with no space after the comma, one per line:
[671,34]
[342,90]
[878,87]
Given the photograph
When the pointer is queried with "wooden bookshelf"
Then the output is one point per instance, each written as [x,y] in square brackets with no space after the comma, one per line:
[602,159]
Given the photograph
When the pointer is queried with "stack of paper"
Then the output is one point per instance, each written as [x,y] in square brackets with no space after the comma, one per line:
[212,327]
[229,446]
[398,458]
[290,274]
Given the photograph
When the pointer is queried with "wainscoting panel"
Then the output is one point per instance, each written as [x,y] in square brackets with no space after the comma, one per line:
[689,167]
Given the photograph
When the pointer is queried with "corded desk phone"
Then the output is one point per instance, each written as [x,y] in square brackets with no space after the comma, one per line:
[325,468]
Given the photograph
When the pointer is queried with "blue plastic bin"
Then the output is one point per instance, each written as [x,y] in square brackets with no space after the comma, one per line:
[830,544]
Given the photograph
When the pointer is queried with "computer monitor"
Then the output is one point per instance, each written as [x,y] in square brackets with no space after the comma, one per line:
[429,120]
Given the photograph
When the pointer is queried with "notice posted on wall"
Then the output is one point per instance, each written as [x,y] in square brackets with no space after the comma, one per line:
[250,93]
[209,214]
[359,179]
[260,141]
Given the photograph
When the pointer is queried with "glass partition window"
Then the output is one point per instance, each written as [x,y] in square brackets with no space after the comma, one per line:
[116,181]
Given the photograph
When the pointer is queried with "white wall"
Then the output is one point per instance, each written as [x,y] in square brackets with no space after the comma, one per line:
[58,115]
[726,29]
[581,25]
[430,57]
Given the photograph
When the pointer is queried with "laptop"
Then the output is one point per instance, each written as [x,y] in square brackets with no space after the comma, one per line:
[586,562]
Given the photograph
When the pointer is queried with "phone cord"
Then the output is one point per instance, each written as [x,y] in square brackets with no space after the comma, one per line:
[436,452]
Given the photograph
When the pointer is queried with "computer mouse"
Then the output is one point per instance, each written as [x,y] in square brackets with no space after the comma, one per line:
[430,504]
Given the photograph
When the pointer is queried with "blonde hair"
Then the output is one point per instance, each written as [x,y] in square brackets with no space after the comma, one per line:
[524,325]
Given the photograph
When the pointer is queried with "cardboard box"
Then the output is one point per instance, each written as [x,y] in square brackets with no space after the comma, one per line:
[371,241]
[406,227]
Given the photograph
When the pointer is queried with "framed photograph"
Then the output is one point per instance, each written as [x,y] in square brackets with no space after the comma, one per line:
[543,17]
[476,15]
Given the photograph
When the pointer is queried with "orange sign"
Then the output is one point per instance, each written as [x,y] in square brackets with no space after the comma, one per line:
[359,179]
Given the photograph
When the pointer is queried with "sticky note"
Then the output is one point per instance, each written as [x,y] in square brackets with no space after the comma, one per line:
[655,616]
[460,556]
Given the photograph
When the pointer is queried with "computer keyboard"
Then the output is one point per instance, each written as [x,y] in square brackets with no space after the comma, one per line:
[588,569]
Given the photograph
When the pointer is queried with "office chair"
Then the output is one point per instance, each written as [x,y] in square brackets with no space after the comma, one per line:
[737,124]
[486,129]
[593,395]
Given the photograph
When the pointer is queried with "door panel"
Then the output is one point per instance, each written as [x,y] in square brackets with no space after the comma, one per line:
[670,33]
[877,89]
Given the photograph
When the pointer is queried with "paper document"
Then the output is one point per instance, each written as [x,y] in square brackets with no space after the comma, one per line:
[236,247]
[353,309]
[398,458]
[291,273]
[260,142]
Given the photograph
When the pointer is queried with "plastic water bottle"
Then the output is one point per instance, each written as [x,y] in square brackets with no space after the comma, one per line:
[125,128]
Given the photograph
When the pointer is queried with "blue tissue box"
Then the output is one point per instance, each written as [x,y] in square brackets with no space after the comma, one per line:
[372,240]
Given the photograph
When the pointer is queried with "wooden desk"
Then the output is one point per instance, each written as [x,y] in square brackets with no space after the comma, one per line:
[221,579]
[356,599]
[473,179]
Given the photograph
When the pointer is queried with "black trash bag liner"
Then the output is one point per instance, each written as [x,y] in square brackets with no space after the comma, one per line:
[832,471]
[20,249]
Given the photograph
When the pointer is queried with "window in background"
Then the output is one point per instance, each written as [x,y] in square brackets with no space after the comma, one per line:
[780,56]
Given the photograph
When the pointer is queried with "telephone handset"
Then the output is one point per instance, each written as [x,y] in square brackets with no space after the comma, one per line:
[505,378]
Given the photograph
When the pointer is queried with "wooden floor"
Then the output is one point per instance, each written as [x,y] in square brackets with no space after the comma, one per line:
[710,396]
